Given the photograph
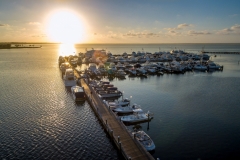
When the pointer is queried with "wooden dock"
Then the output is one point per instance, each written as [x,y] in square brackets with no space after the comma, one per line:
[129,147]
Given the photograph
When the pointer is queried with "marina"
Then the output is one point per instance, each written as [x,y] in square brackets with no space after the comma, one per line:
[195,112]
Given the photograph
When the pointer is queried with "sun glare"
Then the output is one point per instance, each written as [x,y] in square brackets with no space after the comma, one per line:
[65,26]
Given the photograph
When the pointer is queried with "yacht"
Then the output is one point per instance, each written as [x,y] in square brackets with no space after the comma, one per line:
[110,93]
[122,102]
[212,65]
[145,140]
[120,73]
[132,71]
[78,93]
[200,67]
[141,71]
[69,78]
[128,109]
[137,117]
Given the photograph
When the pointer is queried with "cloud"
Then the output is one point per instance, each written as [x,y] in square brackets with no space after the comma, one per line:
[34,23]
[39,35]
[236,27]
[196,33]
[232,30]
[176,30]
[141,34]
[184,25]
[4,25]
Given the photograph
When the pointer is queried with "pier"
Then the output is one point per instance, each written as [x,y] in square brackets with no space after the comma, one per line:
[129,147]
[222,52]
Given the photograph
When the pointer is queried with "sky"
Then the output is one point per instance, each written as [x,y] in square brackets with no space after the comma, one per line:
[120,21]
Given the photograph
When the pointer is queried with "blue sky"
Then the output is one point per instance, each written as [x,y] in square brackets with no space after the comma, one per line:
[124,21]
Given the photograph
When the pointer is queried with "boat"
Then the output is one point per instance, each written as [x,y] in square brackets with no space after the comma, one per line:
[137,117]
[132,72]
[122,102]
[120,73]
[145,140]
[109,94]
[141,71]
[69,78]
[128,109]
[212,65]
[64,66]
[200,67]
[78,93]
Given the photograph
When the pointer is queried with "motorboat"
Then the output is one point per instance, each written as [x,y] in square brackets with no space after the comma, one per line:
[132,72]
[109,94]
[200,67]
[212,65]
[120,73]
[128,109]
[137,117]
[141,71]
[69,78]
[122,102]
[152,70]
[78,93]
[64,66]
[145,140]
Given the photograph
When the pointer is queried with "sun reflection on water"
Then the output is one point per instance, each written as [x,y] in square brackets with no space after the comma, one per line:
[66,49]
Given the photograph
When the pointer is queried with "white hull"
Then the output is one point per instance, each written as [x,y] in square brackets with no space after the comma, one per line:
[110,95]
[139,117]
[145,140]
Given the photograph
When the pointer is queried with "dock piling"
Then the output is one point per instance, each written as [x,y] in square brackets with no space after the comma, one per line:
[120,146]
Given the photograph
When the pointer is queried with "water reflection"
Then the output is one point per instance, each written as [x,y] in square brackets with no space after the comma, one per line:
[66,49]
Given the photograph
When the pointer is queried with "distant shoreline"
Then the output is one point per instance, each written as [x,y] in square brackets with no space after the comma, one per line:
[103,43]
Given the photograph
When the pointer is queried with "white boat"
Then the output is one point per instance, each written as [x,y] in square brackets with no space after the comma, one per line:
[152,70]
[141,71]
[128,109]
[120,73]
[212,65]
[64,66]
[109,94]
[200,67]
[78,93]
[145,140]
[132,71]
[137,117]
[69,78]
[123,102]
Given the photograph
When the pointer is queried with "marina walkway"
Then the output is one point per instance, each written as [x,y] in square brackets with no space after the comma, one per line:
[127,145]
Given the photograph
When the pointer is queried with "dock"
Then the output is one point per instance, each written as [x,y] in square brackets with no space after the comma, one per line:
[221,52]
[129,147]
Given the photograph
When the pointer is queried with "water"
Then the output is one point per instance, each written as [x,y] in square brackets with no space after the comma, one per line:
[196,114]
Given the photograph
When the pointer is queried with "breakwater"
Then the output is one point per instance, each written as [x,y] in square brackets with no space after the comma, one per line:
[129,147]
[221,52]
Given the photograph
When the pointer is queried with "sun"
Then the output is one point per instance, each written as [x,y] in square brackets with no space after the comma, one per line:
[65,26]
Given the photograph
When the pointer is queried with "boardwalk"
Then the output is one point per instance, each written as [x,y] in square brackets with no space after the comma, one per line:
[128,146]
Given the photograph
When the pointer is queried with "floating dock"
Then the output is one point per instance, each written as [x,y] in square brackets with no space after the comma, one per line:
[129,147]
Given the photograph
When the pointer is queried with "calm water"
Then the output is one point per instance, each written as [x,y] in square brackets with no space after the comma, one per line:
[196,114]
